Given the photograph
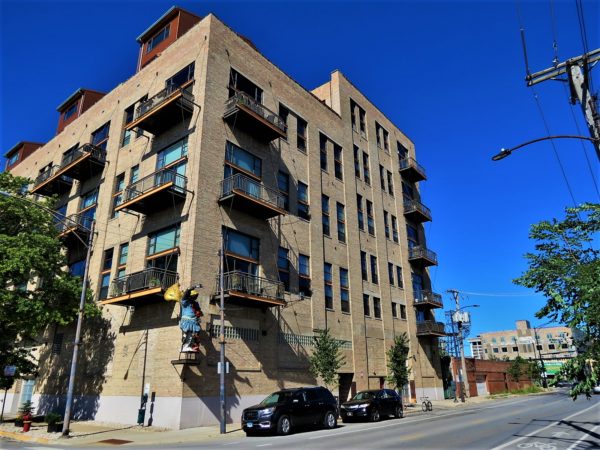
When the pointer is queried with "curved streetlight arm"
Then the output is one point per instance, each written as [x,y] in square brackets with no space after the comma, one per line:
[507,151]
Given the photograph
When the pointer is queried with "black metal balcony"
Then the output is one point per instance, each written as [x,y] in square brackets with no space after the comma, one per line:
[412,170]
[162,189]
[50,182]
[422,256]
[140,287]
[83,162]
[251,196]
[416,211]
[430,328]
[428,299]
[245,113]
[250,290]
[161,112]
[74,227]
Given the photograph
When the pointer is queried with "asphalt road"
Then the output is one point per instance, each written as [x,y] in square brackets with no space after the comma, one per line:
[543,422]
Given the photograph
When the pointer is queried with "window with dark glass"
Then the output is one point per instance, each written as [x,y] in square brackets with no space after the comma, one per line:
[105,273]
[390,181]
[303,206]
[403,312]
[413,236]
[301,133]
[118,195]
[395,310]
[108,258]
[304,275]
[182,77]
[370,219]
[158,38]
[134,174]
[325,214]
[362,121]
[129,114]
[402,151]
[323,151]
[70,111]
[122,262]
[174,157]
[356,162]
[87,208]
[163,240]
[407,190]
[391,273]
[366,171]
[353,115]
[377,307]
[399,277]
[77,268]
[382,177]
[374,276]
[378,135]
[284,113]
[283,184]
[366,305]
[239,83]
[341,222]
[12,159]
[386,224]
[344,290]
[238,160]
[328,278]
[394,228]
[363,266]
[100,136]
[360,213]
[283,266]
[241,252]
[337,161]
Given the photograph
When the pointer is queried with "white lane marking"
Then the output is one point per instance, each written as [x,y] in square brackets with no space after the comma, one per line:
[264,445]
[583,437]
[514,441]
[232,443]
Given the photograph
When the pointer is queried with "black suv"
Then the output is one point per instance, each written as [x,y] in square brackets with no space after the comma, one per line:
[372,405]
[291,408]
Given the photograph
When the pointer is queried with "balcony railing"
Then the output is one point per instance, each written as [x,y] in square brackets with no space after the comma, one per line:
[163,110]
[245,285]
[430,328]
[416,210]
[86,150]
[413,170]
[257,120]
[79,222]
[51,182]
[251,196]
[144,280]
[428,298]
[422,255]
[151,192]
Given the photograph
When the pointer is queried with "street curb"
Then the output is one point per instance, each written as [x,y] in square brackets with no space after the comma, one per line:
[22,438]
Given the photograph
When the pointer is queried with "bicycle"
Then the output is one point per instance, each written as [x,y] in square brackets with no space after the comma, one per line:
[426,405]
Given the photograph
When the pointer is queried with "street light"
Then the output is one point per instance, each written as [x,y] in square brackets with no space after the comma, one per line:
[507,151]
[88,244]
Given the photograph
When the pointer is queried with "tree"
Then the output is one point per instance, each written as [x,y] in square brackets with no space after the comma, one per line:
[326,359]
[516,369]
[397,355]
[566,269]
[36,290]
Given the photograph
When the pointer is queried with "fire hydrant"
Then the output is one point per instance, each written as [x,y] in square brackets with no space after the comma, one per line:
[26,422]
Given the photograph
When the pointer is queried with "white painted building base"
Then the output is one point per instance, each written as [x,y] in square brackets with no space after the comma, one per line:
[434,393]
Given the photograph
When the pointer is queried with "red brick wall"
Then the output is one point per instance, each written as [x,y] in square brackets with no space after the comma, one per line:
[496,378]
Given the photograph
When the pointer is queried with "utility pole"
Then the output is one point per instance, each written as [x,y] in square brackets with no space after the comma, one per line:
[577,70]
[222,398]
[463,378]
[543,367]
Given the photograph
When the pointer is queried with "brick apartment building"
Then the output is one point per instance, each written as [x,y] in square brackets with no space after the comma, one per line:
[314,195]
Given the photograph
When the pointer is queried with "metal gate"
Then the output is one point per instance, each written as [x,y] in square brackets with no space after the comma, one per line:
[481,385]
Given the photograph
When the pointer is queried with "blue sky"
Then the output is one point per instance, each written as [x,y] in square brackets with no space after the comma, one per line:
[449,74]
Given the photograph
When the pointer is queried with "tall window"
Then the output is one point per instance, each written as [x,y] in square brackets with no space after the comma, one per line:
[301,126]
[359,207]
[377,307]
[374,276]
[241,252]
[239,83]
[344,290]
[328,278]
[70,111]
[356,112]
[325,214]
[163,248]
[304,275]
[394,310]
[238,160]
[386,224]
[366,171]
[341,222]
[303,207]
[134,174]
[284,113]
[383,137]
[394,228]
[413,236]
[174,157]
[370,220]
[391,273]
[382,177]
[323,151]
[402,151]
[158,38]
[122,263]
[128,118]
[283,183]
[105,274]
[366,305]
[100,136]
[118,195]
[337,160]
[390,181]
[403,312]
[356,162]
[87,208]
[283,266]
[363,266]
[399,277]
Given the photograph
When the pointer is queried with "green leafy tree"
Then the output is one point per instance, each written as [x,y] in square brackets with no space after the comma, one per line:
[397,355]
[565,268]
[36,290]
[534,371]
[517,368]
[326,358]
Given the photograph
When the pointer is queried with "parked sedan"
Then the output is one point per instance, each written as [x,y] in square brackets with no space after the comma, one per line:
[372,405]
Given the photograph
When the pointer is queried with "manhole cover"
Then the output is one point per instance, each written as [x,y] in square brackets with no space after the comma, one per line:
[114,441]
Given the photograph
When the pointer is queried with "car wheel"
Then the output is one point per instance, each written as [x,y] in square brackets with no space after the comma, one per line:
[251,433]
[375,415]
[399,413]
[329,421]
[284,425]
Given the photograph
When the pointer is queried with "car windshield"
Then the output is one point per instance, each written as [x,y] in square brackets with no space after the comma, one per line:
[276,397]
[364,396]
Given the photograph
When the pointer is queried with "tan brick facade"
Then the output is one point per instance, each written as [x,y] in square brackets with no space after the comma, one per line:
[267,346]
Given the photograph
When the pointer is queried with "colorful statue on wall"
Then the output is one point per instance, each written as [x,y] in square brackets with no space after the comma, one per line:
[189,316]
